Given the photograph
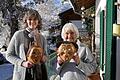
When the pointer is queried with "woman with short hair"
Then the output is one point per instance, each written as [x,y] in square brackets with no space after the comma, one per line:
[27,65]
[84,59]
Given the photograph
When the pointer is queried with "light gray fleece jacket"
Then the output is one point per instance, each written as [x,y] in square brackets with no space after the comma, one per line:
[16,53]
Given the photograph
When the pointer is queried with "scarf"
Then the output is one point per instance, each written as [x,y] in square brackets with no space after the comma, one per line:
[35,72]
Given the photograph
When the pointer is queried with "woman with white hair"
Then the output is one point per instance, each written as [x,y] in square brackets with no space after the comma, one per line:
[84,59]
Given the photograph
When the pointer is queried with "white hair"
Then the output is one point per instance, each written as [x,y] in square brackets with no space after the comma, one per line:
[69,27]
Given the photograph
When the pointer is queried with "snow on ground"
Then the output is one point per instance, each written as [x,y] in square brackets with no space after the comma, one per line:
[6,71]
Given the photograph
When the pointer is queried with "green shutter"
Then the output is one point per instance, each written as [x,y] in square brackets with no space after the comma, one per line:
[109,22]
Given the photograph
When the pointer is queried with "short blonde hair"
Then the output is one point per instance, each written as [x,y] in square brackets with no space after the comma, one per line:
[69,27]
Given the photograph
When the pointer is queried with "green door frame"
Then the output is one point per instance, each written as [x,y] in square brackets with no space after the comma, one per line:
[102,40]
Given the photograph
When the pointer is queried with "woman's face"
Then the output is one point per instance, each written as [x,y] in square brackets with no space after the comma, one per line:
[32,23]
[70,36]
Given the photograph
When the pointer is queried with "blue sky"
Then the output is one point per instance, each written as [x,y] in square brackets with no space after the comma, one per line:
[56,2]
[26,1]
